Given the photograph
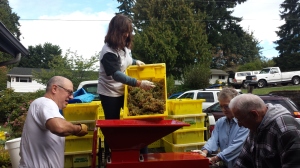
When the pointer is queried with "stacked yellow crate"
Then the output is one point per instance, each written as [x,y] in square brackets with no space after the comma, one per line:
[78,150]
[188,137]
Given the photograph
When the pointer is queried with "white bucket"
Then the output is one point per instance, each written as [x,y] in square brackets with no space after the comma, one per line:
[13,147]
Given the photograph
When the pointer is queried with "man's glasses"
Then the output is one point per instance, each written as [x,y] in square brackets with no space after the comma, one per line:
[225,107]
[67,90]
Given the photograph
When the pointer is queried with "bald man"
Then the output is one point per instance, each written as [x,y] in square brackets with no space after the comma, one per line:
[43,136]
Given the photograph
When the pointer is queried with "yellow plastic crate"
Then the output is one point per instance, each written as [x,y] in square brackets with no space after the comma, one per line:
[195,120]
[186,136]
[151,72]
[74,160]
[82,111]
[185,106]
[156,144]
[78,144]
[170,147]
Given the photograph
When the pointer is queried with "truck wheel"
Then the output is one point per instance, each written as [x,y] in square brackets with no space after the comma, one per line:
[245,85]
[296,80]
[261,83]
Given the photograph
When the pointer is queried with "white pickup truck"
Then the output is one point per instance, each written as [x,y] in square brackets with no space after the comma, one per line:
[273,76]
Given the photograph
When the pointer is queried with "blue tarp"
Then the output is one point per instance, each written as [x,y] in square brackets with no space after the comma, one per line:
[81,96]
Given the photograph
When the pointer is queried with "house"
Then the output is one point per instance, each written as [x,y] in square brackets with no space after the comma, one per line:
[21,80]
[216,74]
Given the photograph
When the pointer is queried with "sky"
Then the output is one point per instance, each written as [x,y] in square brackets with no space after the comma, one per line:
[81,25]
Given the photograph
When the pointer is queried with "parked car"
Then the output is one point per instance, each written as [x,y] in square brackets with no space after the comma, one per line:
[175,95]
[90,87]
[286,102]
[237,79]
[210,96]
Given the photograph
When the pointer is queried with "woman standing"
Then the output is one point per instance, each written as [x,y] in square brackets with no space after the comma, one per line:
[115,57]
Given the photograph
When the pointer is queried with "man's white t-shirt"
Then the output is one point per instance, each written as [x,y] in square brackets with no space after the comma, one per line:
[39,147]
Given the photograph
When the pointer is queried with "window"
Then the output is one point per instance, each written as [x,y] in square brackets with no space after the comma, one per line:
[221,77]
[23,79]
[187,96]
[208,96]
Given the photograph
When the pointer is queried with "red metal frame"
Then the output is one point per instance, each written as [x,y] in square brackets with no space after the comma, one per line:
[126,137]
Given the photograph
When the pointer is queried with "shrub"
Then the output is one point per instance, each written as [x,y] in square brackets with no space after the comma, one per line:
[4,156]
[196,76]
[13,108]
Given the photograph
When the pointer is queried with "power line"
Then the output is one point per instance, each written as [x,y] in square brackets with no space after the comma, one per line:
[102,20]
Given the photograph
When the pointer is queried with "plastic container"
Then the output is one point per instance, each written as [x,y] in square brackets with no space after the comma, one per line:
[13,147]
[78,144]
[170,147]
[186,136]
[73,160]
[195,120]
[156,144]
[151,72]
[185,106]
[82,111]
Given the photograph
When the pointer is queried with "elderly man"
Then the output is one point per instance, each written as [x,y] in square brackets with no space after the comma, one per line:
[227,135]
[43,136]
[274,139]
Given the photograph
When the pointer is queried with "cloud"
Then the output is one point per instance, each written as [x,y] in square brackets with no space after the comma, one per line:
[261,17]
[77,31]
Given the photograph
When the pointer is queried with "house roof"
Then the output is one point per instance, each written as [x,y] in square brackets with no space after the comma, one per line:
[9,43]
[23,71]
[218,72]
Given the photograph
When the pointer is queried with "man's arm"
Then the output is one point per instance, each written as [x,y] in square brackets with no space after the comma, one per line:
[63,128]
[234,149]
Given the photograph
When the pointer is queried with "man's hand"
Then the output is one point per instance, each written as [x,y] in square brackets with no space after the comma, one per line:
[83,131]
[139,63]
[200,152]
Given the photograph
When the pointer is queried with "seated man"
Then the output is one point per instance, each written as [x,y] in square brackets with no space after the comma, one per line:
[274,138]
[227,136]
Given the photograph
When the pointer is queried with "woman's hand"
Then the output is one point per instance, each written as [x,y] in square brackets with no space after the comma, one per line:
[139,63]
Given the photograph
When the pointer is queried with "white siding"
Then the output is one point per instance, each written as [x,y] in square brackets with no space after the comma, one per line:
[216,77]
[26,86]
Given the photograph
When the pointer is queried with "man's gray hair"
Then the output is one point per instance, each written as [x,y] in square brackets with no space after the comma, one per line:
[247,102]
[227,93]
[55,80]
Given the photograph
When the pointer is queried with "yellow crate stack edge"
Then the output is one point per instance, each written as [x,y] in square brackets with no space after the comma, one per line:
[188,137]
[78,149]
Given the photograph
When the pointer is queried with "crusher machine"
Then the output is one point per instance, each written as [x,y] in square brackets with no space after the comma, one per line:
[126,137]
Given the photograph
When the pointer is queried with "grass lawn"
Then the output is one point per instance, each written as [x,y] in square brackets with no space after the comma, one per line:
[267,90]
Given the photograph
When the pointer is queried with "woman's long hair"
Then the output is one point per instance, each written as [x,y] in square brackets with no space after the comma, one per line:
[116,37]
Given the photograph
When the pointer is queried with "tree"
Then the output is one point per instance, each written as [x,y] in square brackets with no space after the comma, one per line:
[9,19]
[11,22]
[289,42]
[40,56]
[232,45]
[71,66]
[125,7]
[196,76]
[169,31]
[3,78]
